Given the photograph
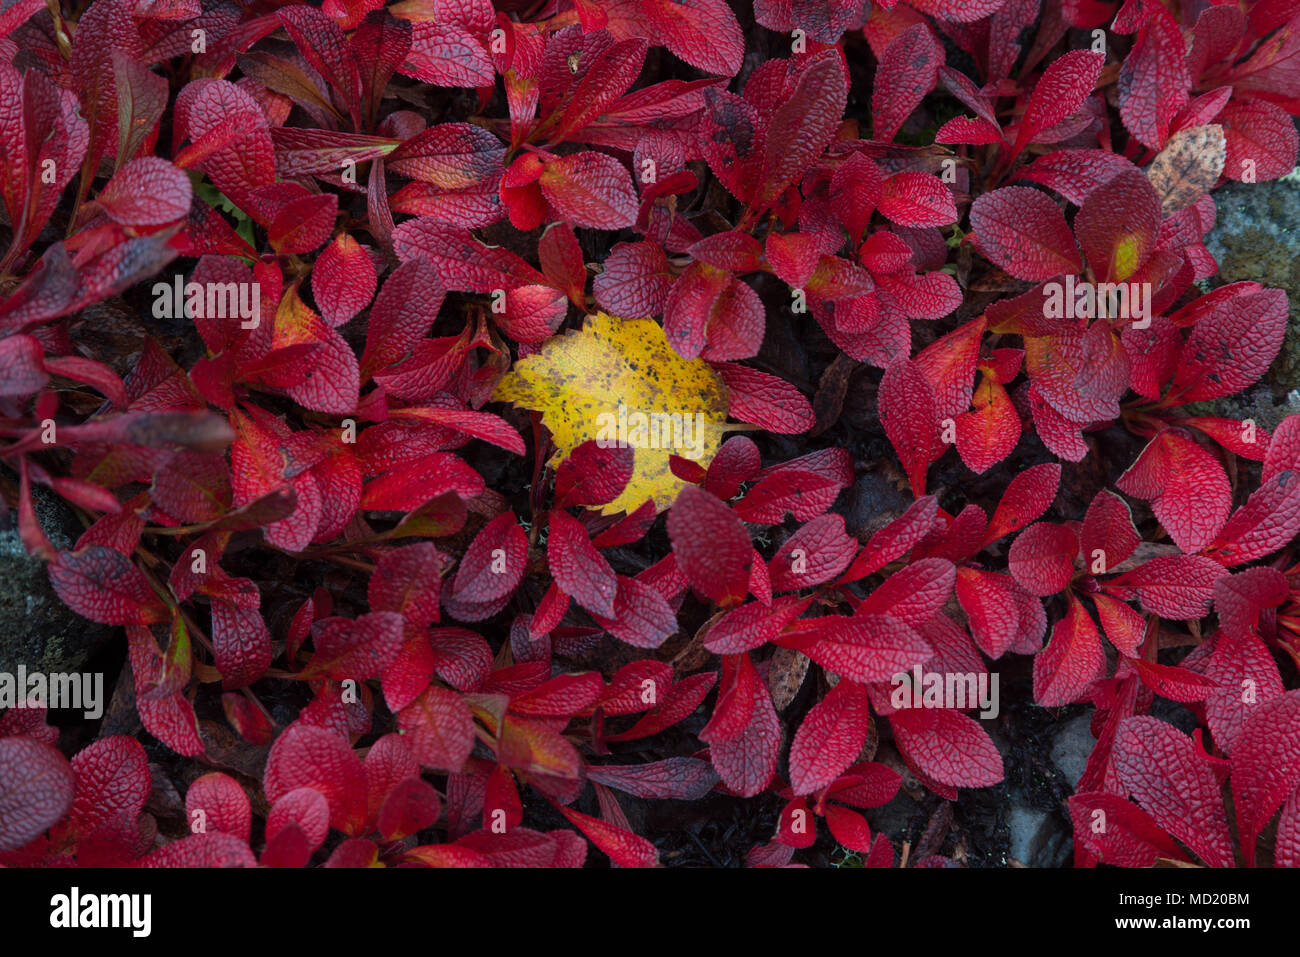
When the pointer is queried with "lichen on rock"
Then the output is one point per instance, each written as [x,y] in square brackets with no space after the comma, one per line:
[1257,238]
[37,630]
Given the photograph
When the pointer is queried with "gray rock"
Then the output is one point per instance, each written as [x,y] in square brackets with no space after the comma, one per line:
[873,503]
[1071,746]
[37,630]
[1256,237]
[1037,838]
[894,820]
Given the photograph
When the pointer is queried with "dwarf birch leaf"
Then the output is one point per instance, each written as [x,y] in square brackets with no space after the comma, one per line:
[622,372]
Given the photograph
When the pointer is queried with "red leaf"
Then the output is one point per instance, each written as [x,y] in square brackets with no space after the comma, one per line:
[751,626]
[1073,659]
[814,554]
[1028,495]
[1236,665]
[168,716]
[579,569]
[302,225]
[402,315]
[990,433]
[355,649]
[459,656]
[103,585]
[1124,627]
[1265,768]
[407,580]
[912,198]
[343,280]
[863,648]
[562,696]
[635,280]
[419,482]
[682,699]
[1232,345]
[623,847]
[1187,487]
[642,617]
[710,545]
[1042,558]
[22,371]
[1024,232]
[440,728]
[947,746]
[913,594]
[682,779]
[909,412]
[304,811]
[1060,92]
[1261,140]
[1176,684]
[241,643]
[220,804]
[993,603]
[704,33]
[1117,225]
[306,756]
[1108,533]
[830,737]
[493,565]
[1240,599]
[1118,832]
[894,540]
[1177,587]
[461,261]
[148,191]
[804,125]
[1154,79]
[747,762]
[765,400]
[411,806]
[591,475]
[36,789]
[203,850]
[590,189]
[449,155]
[849,828]
[113,784]
[1162,769]
[446,54]
[482,425]
[907,72]
[1269,519]
[561,259]
[332,380]
[949,363]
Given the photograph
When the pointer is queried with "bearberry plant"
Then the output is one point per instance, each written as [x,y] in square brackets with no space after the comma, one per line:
[470,413]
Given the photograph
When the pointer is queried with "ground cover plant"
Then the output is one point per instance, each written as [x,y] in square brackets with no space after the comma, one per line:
[511,434]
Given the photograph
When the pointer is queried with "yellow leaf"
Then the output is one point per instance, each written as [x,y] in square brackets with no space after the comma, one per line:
[1127,256]
[580,380]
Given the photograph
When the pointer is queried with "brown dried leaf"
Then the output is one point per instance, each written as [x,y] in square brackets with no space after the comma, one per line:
[785,675]
[1188,167]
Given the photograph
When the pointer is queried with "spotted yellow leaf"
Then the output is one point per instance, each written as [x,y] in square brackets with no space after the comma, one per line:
[619,380]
